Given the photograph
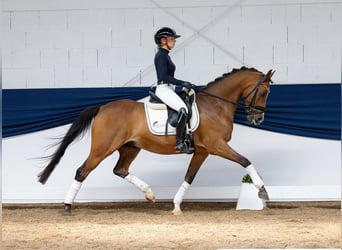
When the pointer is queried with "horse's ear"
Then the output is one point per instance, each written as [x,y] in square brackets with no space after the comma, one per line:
[269,75]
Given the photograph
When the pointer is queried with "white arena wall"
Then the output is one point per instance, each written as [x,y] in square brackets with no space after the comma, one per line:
[109,43]
[292,167]
[104,43]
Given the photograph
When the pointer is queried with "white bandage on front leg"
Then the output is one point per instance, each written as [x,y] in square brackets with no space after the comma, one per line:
[180,194]
[255,176]
[75,187]
[138,183]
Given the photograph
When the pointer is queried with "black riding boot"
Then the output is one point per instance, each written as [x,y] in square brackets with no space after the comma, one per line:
[181,146]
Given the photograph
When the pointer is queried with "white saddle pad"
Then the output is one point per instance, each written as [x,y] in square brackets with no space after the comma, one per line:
[156,115]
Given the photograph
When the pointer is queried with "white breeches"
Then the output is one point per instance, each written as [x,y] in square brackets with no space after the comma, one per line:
[167,94]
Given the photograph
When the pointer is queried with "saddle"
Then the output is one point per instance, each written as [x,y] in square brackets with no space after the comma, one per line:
[162,120]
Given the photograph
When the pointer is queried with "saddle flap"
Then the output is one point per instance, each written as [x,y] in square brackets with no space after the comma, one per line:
[162,119]
[157,119]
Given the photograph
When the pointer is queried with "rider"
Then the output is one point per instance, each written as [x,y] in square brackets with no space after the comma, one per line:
[165,38]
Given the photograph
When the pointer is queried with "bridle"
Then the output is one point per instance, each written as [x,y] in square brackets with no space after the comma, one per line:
[251,108]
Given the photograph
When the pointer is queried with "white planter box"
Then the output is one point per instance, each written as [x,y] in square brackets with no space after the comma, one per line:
[249,199]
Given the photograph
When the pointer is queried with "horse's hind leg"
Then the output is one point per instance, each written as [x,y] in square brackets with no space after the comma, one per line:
[128,153]
[81,174]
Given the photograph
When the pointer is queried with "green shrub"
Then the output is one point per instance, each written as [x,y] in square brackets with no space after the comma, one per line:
[247,179]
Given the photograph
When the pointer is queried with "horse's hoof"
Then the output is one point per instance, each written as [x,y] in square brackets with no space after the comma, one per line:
[150,197]
[177,212]
[67,210]
[263,194]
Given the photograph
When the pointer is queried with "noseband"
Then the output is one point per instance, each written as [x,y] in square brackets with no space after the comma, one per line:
[251,108]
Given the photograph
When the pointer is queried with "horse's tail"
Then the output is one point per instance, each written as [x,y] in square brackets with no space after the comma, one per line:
[81,123]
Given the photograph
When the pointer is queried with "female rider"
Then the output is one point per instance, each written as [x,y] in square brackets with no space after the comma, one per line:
[165,38]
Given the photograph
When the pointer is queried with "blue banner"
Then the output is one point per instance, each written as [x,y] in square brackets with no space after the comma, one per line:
[312,110]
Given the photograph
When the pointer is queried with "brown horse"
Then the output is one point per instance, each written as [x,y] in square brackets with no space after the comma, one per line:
[121,125]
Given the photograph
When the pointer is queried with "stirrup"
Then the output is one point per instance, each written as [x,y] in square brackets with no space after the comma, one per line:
[184,148]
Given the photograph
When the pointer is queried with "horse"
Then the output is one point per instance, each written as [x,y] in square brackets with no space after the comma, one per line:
[121,125]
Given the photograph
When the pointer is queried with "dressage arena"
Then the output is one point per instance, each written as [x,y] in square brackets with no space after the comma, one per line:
[143,225]
[60,57]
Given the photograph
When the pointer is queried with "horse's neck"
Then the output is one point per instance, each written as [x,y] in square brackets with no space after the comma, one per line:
[228,93]
[229,88]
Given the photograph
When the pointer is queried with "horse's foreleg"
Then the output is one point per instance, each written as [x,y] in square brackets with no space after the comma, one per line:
[227,152]
[128,153]
[194,166]
[257,181]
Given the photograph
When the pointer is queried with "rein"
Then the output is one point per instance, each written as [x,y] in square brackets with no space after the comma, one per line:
[222,99]
[249,107]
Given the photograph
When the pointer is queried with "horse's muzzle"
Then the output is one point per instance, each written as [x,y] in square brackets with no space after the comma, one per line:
[255,118]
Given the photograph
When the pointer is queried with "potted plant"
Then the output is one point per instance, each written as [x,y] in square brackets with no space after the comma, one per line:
[248,198]
[247,179]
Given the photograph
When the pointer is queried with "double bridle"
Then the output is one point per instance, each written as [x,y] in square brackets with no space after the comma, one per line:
[251,107]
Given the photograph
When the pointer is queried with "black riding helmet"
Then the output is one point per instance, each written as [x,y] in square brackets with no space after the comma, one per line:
[163,33]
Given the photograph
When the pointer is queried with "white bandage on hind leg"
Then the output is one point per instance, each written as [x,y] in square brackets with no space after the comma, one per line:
[138,183]
[75,187]
[180,194]
[255,176]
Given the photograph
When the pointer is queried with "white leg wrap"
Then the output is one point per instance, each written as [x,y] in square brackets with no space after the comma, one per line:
[138,183]
[75,187]
[180,194]
[255,176]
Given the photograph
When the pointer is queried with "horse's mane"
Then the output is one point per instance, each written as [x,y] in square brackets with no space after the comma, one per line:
[243,68]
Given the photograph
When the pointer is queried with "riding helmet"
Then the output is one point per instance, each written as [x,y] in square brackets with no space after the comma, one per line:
[164,32]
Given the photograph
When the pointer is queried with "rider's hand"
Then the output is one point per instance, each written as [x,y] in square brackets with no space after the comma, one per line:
[188,85]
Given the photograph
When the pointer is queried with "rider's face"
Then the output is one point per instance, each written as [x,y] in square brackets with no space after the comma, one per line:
[168,42]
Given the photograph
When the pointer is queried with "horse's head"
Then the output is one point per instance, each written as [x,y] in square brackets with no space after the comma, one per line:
[249,83]
[255,96]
